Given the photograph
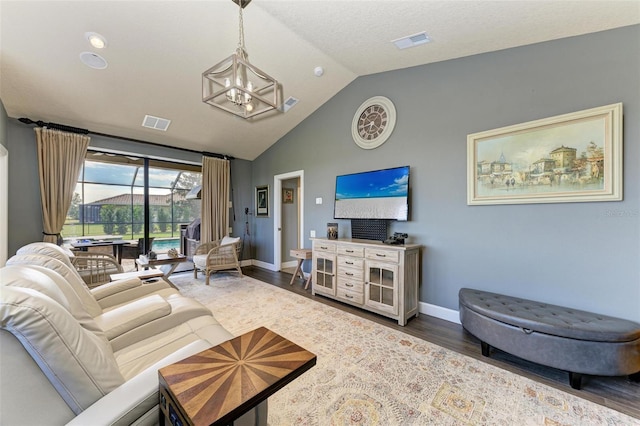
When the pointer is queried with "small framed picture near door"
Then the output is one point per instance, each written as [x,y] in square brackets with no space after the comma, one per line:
[287,196]
[262,201]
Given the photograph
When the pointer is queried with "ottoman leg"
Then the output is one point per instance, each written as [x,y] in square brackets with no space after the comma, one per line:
[635,377]
[575,380]
[486,348]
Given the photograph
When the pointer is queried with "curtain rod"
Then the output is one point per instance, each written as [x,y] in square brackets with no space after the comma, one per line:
[70,129]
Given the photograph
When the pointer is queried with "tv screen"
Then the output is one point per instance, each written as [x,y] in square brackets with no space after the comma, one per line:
[378,194]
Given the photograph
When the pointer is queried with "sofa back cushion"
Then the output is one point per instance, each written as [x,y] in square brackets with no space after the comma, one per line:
[79,364]
[53,285]
[88,301]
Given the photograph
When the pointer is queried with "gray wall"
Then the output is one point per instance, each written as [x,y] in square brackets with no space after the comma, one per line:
[25,208]
[584,255]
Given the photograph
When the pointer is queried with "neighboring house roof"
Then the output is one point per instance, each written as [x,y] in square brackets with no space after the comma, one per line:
[138,199]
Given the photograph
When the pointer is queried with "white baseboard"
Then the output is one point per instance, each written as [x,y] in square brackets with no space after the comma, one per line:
[439,312]
[424,308]
[290,264]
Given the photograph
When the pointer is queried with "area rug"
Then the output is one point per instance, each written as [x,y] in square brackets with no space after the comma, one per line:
[368,374]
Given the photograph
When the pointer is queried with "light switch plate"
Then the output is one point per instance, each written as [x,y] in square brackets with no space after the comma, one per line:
[313,234]
[319,200]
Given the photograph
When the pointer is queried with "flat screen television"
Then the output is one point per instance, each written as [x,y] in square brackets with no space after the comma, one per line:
[377,194]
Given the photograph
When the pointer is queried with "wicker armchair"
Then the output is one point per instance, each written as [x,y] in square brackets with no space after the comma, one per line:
[95,268]
[216,256]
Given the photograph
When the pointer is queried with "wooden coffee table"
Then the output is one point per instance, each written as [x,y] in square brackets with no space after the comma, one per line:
[220,384]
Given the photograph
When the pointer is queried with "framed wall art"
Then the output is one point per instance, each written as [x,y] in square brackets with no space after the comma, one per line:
[287,196]
[574,157]
[262,201]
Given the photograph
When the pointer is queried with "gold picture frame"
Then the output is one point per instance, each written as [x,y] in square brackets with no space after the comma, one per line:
[575,157]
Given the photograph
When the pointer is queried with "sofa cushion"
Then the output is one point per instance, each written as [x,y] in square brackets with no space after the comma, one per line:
[53,285]
[79,364]
[48,249]
[68,273]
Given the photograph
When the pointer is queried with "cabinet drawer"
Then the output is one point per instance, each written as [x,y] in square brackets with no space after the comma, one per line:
[350,285]
[350,250]
[350,262]
[350,296]
[350,273]
[324,246]
[382,255]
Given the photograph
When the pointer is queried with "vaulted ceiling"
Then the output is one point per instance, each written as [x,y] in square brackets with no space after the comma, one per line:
[157,51]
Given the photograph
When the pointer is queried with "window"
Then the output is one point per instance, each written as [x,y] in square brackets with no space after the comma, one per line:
[109,201]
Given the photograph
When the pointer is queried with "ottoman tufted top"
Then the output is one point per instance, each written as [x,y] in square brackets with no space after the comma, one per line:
[549,319]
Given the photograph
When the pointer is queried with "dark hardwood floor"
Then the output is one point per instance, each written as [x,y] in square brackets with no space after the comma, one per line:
[618,393]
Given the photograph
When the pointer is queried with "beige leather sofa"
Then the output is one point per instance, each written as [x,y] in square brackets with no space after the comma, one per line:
[67,358]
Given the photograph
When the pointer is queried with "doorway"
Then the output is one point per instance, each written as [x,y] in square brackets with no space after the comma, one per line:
[289,180]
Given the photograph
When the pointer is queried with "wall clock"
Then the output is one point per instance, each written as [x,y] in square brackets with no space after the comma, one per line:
[373,122]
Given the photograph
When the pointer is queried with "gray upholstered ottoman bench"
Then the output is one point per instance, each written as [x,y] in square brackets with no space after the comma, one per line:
[567,339]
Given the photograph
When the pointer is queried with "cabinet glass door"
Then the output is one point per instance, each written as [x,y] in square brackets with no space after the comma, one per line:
[381,291]
[325,274]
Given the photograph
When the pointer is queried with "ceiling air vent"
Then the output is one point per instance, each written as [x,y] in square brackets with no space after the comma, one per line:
[289,103]
[156,123]
[412,41]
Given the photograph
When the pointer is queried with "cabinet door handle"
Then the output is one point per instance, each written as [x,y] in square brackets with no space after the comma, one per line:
[349,251]
[348,273]
[349,285]
[349,263]
[348,297]
[381,255]
[324,248]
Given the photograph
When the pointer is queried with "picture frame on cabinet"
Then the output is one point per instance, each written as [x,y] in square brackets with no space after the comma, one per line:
[262,201]
[575,157]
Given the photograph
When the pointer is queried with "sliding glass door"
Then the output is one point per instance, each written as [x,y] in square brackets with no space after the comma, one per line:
[111,199]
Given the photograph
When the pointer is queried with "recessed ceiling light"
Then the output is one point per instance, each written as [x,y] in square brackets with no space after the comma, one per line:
[412,40]
[96,40]
[93,60]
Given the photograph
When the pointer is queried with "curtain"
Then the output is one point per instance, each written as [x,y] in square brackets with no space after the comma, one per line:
[216,177]
[60,158]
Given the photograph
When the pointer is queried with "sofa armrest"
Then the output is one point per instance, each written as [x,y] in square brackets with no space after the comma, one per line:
[134,292]
[115,287]
[125,318]
[137,396]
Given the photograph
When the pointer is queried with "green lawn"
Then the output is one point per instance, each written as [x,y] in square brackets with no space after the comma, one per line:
[70,230]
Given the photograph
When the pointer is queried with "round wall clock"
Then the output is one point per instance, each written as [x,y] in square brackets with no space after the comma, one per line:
[373,122]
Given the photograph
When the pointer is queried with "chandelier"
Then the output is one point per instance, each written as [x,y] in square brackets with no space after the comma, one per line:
[237,86]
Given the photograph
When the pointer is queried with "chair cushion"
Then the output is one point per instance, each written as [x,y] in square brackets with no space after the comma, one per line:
[79,364]
[229,240]
[200,261]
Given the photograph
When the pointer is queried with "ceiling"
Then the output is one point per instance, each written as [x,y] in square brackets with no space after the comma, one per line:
[157,51]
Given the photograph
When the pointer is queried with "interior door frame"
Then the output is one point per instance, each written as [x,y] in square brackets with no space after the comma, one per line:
[277,214]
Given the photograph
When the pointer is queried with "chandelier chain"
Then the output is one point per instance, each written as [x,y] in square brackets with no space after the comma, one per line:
[241,28]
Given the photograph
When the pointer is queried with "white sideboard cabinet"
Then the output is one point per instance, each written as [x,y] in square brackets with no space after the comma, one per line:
[368,274]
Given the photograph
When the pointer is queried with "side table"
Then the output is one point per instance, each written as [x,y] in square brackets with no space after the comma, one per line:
[220,384]
[301,255]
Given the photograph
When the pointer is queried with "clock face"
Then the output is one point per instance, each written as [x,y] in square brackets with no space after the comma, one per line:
[373,122]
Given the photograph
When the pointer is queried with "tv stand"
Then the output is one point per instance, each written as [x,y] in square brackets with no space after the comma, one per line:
[368,274]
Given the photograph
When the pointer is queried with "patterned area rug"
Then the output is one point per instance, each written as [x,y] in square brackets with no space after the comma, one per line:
[368,374]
